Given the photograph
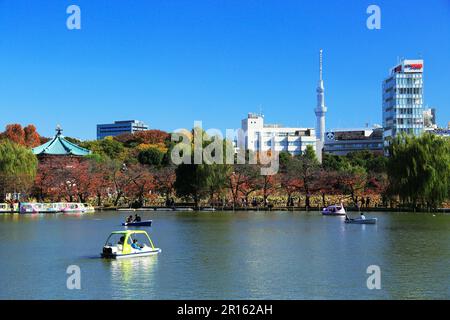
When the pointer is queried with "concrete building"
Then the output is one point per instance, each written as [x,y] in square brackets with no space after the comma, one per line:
[403,100]
[120,127]
[260,136]
[342,141]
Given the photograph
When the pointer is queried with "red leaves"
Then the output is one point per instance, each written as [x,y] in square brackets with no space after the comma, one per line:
[32,138]
[63,178]
[15,133]
[27,136]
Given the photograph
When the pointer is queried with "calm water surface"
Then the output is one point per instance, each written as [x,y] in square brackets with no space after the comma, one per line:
[224,255]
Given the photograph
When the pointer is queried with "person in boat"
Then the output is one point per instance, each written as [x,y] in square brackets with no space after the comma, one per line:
[121,240]
[363,217]
[137,218]
[135,245]
[129,219]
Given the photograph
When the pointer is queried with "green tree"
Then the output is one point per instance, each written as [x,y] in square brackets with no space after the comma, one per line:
[331,162]
[192,181]
[370,161]
[284,158]
[197,181]
[18,166]
[419,170]
[151,156]
[107,147]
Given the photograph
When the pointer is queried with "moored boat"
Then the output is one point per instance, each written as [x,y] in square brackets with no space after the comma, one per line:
[75,207]
[334,210]
[89,209]
[30,207]
[183,209]
[52,207]
[164,209]
[128,244]
[6,208]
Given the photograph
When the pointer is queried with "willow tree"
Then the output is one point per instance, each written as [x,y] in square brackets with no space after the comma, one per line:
[419,170]
[18,166]
[206,176]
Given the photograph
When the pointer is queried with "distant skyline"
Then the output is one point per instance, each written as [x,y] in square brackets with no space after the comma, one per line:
[172,62]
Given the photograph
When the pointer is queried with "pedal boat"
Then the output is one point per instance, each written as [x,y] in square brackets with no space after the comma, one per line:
[118,245]
[334,210]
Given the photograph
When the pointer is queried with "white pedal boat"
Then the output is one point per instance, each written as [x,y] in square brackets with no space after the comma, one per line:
[119,245]
[334,210]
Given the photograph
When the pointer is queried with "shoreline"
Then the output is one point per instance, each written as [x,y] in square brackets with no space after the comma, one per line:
[188,208]
[293,209]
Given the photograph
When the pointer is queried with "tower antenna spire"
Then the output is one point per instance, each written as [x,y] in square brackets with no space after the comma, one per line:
[320,109]
[320,64]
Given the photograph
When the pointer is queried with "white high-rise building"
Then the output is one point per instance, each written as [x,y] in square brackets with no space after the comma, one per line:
[403,100]
[260,136]
[320,109]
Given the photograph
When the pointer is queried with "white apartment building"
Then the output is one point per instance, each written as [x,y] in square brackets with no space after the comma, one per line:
[260,136]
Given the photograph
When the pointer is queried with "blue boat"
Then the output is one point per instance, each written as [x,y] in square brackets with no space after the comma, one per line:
[362,221]
[146,223]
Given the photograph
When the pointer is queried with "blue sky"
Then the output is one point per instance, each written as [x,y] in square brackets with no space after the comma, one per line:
[170,62]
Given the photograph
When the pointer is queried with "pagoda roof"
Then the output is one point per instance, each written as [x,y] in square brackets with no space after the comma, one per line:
[59,146]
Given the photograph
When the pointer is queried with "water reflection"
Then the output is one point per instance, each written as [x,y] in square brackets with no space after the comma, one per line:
[223,255]
[133,275]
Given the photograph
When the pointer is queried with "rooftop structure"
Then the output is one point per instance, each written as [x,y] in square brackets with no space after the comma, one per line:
[344,141]
[261,136]
[59,146]
[120,127]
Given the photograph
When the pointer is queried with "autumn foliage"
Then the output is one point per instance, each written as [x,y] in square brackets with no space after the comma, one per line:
[27,136]
[135,170]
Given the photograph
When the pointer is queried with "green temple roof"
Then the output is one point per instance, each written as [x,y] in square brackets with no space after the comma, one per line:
[59,146]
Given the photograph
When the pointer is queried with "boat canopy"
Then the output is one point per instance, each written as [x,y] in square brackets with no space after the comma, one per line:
[125,232]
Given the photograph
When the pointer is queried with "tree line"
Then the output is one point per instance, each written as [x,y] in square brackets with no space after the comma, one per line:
[136,170]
